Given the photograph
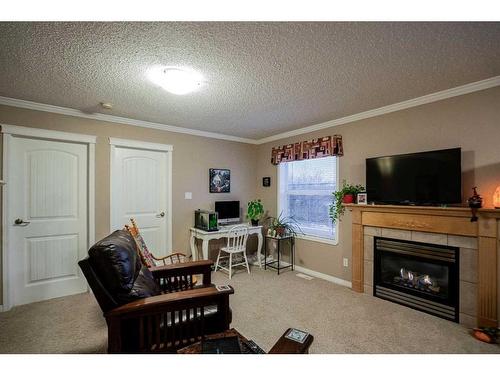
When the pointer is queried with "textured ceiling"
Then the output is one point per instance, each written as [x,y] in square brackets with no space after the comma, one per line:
[261,78]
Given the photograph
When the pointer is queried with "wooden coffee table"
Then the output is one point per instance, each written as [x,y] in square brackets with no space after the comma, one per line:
[282,346]
[286,346]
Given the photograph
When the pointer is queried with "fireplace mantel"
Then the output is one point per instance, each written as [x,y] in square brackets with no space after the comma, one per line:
[446,220]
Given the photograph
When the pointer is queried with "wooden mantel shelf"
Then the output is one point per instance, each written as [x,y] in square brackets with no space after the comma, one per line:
[446,220]
[438,210]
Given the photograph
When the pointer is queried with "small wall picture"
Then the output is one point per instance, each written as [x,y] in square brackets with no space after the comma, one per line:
[266,181]
[362,198]
[219,180]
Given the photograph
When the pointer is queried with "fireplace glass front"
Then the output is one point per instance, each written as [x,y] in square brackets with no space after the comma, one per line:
[417,275]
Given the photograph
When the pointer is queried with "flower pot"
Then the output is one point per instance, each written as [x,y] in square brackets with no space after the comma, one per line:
[254,222]
[280,232]
[348,198]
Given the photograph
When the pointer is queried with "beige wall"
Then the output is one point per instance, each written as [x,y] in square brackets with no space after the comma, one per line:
[471,122]
[192,157]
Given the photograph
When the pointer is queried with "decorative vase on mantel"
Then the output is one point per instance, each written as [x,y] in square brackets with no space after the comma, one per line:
[475,202]
[254,222]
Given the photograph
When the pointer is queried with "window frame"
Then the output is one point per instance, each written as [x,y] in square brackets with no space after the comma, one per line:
[309,237]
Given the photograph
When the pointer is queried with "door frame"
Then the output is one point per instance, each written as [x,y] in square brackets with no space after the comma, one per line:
[9,132]
[115,143]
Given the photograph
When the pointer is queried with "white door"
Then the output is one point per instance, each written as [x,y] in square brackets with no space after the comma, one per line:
[47,218]
[140,190]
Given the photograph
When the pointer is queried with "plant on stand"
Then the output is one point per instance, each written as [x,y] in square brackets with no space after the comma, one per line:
[346,194]
[255,211]
[282,226]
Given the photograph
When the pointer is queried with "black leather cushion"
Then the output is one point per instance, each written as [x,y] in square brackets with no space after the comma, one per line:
[115,261]
[144,286]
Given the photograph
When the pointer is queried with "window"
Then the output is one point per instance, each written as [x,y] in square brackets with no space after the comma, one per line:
[305,193]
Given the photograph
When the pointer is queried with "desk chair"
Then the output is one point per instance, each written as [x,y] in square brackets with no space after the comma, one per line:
[236,243]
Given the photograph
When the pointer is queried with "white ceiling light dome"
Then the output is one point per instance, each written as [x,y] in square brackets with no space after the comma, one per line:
[176,80]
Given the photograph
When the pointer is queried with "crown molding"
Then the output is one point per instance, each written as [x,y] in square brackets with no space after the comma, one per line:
[430,98]
[47,134]
[440,95]
[128,143]
[118,120]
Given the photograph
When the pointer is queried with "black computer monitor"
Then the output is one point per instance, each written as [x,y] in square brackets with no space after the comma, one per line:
[229,211]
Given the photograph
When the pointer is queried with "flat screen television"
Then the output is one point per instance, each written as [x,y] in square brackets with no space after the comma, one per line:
[423,178]
[229,211]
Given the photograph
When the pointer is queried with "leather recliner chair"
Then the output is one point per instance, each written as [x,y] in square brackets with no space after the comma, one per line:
[155,309]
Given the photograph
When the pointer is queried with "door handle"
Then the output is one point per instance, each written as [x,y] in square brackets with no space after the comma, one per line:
[21,222]
[161,214]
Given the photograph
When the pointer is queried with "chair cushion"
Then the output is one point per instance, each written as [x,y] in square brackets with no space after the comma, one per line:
[144,286]
[145,256]
[115,261]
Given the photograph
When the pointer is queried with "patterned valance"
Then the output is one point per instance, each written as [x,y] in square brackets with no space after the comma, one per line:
[315,148]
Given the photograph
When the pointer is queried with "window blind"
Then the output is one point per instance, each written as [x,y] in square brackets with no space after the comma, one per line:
[305,193]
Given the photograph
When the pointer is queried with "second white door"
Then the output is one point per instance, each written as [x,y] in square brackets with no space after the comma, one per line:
[140,189]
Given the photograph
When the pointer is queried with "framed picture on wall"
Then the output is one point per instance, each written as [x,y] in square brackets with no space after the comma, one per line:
[219,180]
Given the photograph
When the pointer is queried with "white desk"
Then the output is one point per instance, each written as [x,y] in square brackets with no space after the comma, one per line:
[222,232]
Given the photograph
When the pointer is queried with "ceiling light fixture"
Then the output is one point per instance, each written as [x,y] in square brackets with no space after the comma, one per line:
[179,81]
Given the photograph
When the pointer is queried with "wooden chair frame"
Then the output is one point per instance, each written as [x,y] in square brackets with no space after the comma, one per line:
[167,322]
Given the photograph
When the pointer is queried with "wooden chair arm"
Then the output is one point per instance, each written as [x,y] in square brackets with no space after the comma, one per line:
[140,314]
[205,296]
[167,256]
[203,267]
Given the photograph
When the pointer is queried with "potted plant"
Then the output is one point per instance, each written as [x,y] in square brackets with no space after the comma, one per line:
[345,194]
[282,226]
[255,211]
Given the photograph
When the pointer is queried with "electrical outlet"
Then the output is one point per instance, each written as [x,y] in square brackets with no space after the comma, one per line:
[346,262]
[188,195]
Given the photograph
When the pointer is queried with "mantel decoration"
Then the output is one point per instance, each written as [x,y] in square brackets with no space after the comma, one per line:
[475,202]
[343,195]
[496,198]
[220,180]
[282,226]
[255,211]
[313,149]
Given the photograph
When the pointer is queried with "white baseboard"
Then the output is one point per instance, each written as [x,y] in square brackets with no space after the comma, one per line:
[317,274]
[324,276]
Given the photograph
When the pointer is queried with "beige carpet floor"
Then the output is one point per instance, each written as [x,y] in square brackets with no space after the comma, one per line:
[264,305]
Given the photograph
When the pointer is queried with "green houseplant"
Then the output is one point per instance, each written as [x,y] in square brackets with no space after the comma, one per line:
[255,211]
[346,194]
[283,226]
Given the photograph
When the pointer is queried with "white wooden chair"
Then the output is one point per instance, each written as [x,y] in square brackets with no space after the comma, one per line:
[236,243]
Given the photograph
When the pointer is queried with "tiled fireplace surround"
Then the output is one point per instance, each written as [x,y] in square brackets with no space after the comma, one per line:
[468,263]
[478,243]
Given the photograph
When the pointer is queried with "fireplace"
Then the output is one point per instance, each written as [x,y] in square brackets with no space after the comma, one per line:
[418,275]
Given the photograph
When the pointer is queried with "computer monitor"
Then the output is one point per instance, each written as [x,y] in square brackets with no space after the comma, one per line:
[229,211]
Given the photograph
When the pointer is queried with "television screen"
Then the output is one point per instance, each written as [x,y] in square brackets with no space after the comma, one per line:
[228,210]
[424,178]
